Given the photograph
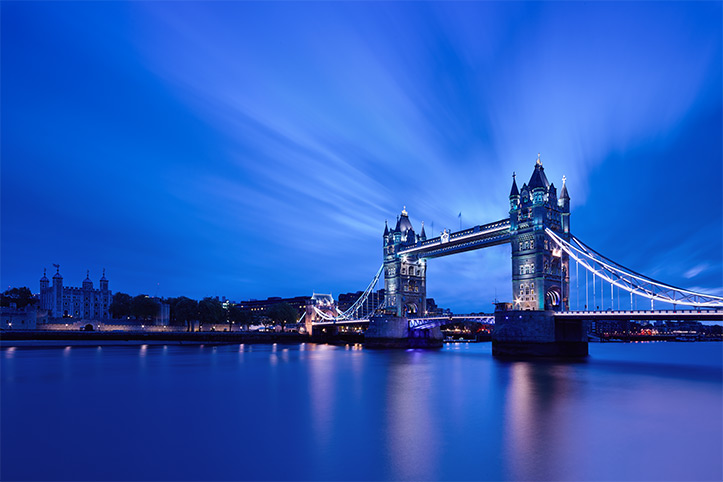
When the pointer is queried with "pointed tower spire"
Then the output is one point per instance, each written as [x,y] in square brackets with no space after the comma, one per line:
[423,235]
[563,191]
[386,228]
[514,191]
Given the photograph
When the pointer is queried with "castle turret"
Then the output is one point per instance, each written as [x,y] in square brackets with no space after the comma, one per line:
[87,282]
[57,278]
[422,235]
[44,282]
[57,293]
[103,282]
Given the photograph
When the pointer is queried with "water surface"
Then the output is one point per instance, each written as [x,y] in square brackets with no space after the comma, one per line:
[641,411]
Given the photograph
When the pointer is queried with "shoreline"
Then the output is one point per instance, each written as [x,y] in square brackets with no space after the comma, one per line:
[154,337]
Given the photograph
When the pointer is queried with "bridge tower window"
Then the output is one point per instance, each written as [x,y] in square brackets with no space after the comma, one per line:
[532,244]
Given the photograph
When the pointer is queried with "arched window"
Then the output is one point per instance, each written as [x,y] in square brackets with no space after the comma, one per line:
[532,244]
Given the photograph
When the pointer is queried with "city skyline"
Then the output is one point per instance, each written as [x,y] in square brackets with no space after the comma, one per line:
[248,151]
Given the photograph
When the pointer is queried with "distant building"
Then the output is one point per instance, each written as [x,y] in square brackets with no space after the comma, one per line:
[260,308]
[66,301]
[433,309]
[374,300]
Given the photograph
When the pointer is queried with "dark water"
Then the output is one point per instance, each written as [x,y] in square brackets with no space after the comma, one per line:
[313,412]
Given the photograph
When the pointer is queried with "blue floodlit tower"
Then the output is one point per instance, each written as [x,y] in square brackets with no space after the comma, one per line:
[405,286]
[540,271]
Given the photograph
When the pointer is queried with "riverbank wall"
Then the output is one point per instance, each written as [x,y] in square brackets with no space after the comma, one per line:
[175,336]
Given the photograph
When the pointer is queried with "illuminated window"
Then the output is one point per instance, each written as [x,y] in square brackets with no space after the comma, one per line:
[532,244]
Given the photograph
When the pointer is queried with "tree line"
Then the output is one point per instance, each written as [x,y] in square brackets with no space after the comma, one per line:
[185,311]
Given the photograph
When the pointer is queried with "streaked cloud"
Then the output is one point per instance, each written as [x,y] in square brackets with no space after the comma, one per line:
[249,149]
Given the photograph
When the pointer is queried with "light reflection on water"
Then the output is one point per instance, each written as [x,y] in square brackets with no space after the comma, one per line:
[319,412]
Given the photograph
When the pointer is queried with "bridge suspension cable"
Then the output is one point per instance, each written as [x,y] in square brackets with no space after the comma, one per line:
[629,280]
[363,298]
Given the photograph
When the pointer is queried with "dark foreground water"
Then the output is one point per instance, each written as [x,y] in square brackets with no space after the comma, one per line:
[645,411]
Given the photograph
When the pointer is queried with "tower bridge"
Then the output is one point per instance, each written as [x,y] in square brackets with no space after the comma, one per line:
[538,320]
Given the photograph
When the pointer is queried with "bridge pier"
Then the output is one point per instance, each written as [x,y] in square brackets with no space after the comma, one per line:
[390,331]
[537,334]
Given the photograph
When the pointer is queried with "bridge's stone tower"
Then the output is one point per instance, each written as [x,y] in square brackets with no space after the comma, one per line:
[405,276]
[540,271]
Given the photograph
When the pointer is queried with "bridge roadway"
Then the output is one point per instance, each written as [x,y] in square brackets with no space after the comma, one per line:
[477,237]
[642,315]
[417,322]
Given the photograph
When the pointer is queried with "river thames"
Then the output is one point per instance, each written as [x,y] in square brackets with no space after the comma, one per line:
[640,411]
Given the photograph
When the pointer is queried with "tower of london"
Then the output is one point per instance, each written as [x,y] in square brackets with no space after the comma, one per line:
[69,301]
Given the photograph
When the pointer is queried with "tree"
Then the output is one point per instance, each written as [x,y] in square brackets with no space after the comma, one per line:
[144,307]
[210,311]
[184,311]
[240,316]
[283,313]
[121,305]
[22,297]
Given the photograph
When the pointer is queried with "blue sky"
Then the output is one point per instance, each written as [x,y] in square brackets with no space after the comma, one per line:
[249,149]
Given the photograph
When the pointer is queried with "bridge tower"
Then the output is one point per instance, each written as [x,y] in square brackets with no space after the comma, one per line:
[540,272]
[405,276]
